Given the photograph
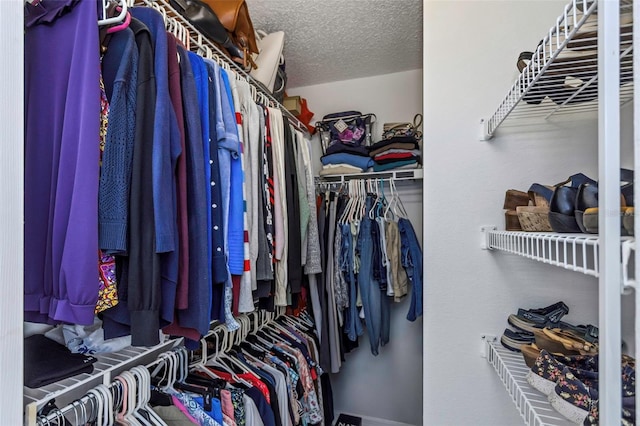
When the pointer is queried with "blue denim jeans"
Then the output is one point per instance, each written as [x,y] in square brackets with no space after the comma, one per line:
[352,323]
[369,287]
[370,292]
[380,275]
[412,263]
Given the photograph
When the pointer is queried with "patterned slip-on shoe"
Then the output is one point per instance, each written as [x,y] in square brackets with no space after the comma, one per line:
[628,412]
[547,370]
[572,398]
[577,398]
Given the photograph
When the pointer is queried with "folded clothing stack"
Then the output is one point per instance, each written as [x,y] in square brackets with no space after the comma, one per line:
[399,152]
[343,158]
[46,362]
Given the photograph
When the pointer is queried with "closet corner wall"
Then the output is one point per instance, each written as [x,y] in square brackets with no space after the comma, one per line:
[11,209]
[397,370]
[470,291]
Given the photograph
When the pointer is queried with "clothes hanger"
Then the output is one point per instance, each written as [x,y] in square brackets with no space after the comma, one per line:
[159,8]
[142,374]
[177,374]
[279,328]
[104,405]
[214,361]
[298,322]
[351,192]
[116,19]
[123,408]
[352,218]
[118,399]
[128,417]
[399,206]
[122,26]
[224,356]
[99,406]
[200,364]
[79,419]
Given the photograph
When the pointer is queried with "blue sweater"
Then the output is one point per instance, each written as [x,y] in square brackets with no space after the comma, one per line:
[202,87]
[120,74]
[235,231]
[343,158]
[166,135]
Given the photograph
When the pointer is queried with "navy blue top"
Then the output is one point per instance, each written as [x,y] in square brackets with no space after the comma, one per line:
[218,259]
[166,135]
[202,87]
[266,413]
[120,75]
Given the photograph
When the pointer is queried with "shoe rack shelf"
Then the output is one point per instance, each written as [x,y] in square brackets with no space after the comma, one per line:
[574,252]
[532,405]
[562,76]
[104,370]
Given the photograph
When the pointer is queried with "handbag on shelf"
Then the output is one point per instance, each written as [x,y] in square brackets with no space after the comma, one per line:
[281,81]
[214,24]
[268,59]
[348,127]
[390,130]
[234,16]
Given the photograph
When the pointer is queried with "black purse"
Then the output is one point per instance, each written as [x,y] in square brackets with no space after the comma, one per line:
[206,21]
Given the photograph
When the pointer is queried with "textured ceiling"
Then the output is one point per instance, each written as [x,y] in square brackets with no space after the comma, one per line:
[333,40]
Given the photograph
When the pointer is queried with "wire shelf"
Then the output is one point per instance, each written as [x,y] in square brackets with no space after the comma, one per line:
[108,366]
[198,41]
[396,175]
[574,252]
[562,76]
[533,406]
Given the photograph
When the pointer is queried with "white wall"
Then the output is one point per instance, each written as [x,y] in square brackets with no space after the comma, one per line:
[11,210]
[470,62]
[387,386]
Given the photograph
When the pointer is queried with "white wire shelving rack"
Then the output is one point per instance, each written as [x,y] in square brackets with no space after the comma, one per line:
[562,76]
[585,64]
[532,405]
[574,252]
[105,369]
[396,175]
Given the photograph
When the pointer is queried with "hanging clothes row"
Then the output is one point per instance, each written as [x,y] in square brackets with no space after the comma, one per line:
[371,256]
[162,191]
[264,373]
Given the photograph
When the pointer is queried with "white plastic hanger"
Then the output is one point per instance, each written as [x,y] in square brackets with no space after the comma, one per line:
[399,209]
[100,406]
[115,19]
[144,393]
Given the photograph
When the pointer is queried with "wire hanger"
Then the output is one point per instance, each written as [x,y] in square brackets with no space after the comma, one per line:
[399,206]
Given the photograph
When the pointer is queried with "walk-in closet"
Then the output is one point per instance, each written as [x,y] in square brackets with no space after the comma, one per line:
[186,240]
[489,145]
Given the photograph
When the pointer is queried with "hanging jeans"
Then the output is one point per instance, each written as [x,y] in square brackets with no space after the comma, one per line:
[412,263]
[369,287]
[380,276]
[352,324]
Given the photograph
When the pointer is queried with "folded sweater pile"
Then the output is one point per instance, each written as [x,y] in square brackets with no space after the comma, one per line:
[396,152]
[343,158]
